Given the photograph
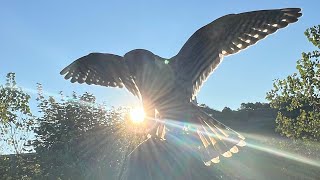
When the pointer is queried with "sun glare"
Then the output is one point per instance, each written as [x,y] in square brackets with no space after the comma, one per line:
[137,115]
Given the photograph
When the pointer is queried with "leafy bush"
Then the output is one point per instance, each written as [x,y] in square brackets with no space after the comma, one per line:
[16,119]
[16,129]
[297,98]
[79,138]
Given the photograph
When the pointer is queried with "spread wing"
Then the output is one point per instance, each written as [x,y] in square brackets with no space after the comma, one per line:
[204,50]
[102,69]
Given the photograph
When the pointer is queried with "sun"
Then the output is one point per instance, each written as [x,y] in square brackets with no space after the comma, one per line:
[137,115]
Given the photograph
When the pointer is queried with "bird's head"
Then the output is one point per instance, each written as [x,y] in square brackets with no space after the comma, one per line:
[139,54]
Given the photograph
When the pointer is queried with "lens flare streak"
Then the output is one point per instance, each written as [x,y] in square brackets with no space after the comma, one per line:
[270,150]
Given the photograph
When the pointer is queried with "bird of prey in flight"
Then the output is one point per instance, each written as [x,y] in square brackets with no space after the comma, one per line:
[170,86]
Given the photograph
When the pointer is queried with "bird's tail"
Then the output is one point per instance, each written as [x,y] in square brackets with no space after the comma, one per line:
[217,139]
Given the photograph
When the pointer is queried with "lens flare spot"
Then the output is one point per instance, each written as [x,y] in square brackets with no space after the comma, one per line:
[137,115]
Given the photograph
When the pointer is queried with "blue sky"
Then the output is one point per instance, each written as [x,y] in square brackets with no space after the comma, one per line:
[38,39]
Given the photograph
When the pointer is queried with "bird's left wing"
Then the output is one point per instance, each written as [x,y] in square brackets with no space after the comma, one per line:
[102,69]
[204,50]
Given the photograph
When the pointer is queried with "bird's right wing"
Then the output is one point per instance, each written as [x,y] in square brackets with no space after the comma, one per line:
[204,50]
[102,69]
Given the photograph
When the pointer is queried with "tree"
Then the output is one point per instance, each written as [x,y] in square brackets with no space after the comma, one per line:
[226,110]
[16,120]
[297,98]
[254,106]
[75,137]
[16,129]
[247,106]
[78,138]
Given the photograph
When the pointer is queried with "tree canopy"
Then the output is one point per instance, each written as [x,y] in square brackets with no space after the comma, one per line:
[297,97]
[80,138]
[16,119]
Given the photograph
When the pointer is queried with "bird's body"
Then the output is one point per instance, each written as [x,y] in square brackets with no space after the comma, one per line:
[155,79]
[170,86]
[161,89]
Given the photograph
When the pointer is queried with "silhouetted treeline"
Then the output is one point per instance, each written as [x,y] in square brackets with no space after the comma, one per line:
[246,112]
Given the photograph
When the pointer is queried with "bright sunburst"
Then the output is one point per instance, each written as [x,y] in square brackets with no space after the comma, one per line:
[137,115]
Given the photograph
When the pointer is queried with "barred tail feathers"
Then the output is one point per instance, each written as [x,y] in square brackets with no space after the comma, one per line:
[217,139]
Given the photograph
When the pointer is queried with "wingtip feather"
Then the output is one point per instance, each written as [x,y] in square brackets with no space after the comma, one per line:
[291,9]
[64,70]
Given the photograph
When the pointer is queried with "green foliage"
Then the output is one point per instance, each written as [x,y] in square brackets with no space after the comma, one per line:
[78,138]
[226,110]
[313,35]
[246,112]
[16,128]
[19,166]
[12,100]
[297,97]
[254,106]
[16,120]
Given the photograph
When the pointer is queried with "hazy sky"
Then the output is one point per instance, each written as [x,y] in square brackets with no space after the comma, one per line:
[38,39]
